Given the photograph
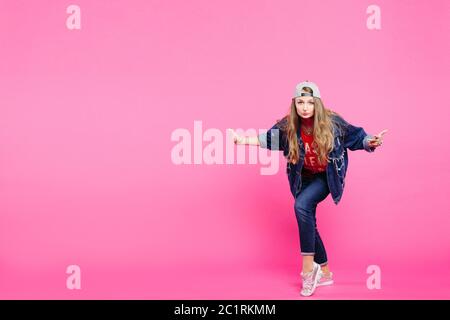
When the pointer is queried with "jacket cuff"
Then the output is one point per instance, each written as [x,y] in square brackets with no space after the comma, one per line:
[366,143]
[263,140]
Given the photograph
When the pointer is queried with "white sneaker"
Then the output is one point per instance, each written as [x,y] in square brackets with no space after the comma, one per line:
[310,280]
[325,280]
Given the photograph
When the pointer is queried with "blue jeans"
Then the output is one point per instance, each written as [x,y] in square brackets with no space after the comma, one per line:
[314,189]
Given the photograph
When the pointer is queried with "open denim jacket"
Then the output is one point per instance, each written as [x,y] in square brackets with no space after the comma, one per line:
[346,136]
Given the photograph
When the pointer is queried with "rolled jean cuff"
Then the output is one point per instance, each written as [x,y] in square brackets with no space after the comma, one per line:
[307,253]
[323,263]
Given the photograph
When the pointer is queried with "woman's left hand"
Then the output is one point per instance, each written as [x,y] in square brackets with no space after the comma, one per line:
[377,139]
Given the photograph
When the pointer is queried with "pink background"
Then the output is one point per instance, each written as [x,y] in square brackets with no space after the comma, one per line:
[86,175]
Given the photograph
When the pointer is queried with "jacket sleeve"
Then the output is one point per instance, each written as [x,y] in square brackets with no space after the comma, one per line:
[356,138]
[275,138]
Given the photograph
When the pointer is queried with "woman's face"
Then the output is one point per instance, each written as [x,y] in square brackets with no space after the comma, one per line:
[305,106]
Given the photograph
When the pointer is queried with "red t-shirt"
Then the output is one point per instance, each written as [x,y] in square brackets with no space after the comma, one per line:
[311,163]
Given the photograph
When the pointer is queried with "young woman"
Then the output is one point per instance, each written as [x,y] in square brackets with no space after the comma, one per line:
[314,140]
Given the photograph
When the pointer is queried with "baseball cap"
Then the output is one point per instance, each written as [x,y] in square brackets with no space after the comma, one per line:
[298,89]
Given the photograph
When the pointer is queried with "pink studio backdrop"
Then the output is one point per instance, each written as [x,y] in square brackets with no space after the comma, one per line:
[86,175]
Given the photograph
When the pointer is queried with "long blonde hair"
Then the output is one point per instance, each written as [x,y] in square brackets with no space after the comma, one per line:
[323,130]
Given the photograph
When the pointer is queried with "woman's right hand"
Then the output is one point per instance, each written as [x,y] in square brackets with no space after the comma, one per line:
[237,138]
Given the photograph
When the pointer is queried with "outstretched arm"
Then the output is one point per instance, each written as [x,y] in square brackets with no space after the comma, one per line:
[238,139]
[356,138]
[272,139]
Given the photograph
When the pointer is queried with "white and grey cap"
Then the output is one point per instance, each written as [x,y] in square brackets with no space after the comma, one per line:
[299,87]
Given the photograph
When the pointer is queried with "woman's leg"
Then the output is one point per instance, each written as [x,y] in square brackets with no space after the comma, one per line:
[313,191]
[321,255]
[325,270]
[307,263]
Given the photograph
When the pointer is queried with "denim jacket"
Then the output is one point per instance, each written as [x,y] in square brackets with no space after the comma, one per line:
[346,136]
